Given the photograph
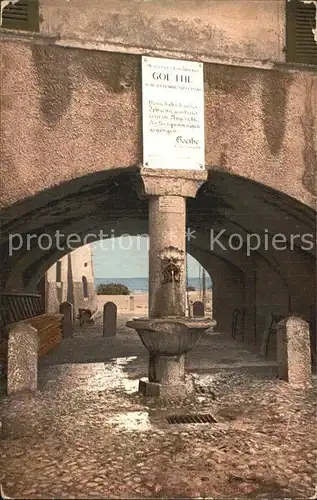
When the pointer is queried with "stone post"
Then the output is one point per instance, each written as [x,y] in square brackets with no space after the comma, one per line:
[293,351]
[109,319]
[167,225]
[167,191]
[22,359]
[198,309]
[66,309]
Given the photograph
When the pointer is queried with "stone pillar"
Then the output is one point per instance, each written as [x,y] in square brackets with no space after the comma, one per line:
[59,292]
[66,309]
[168,370]
[167,256]
[70,294]
[109,319]
[22,359]
[167,191]
[293,351]
[198,309]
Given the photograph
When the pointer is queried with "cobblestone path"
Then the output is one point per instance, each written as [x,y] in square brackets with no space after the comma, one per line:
[88,434]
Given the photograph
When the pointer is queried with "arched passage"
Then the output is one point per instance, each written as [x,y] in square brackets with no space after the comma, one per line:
[267,278]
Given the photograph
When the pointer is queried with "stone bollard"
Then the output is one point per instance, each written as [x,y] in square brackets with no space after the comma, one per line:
[22,359]
[131,303]
[66,309]
[109,319]
[198,309]
[293,351]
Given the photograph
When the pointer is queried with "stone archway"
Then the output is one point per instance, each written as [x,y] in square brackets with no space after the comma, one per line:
[111,200]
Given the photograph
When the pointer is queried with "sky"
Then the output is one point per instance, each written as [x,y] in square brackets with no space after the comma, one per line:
[127,257]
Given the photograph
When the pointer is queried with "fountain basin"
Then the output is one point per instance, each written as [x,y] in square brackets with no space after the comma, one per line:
[171,336]
[168,340]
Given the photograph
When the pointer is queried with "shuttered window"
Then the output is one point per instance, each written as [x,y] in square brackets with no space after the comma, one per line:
[23,15]
[301,46]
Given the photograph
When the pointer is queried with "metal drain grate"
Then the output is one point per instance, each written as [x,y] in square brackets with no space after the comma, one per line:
[204,389]
[194,418]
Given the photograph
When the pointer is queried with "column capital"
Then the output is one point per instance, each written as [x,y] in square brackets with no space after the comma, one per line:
[163,182]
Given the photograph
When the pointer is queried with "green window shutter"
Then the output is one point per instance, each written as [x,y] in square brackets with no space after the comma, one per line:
[23,15]
[300,43]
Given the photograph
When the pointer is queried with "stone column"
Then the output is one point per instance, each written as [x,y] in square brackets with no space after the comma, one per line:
[167,378]
[22,359]
[250,307]
[168,370]
[109,327]
[167,256]
[131,303]
[167,191]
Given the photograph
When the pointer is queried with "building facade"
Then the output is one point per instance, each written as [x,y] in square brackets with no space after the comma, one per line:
[71,159]
[71,279]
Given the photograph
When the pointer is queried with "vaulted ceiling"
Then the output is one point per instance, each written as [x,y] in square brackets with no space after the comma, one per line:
[109,200]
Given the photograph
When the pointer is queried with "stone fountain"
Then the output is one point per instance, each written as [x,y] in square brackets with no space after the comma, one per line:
[167,333]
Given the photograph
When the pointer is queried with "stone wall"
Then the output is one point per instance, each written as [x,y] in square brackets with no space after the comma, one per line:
[140,302]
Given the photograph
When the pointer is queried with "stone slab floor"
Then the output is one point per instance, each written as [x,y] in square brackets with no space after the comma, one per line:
[88,434]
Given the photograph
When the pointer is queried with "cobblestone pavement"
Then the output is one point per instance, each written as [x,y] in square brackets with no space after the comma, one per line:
[88,434]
